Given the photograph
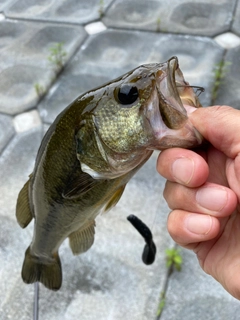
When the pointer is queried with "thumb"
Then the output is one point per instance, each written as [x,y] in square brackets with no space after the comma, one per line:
[220,125]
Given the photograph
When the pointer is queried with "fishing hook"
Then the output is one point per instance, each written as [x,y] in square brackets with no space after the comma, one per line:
[201,89]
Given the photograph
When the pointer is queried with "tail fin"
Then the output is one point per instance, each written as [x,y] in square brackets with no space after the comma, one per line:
[49,274]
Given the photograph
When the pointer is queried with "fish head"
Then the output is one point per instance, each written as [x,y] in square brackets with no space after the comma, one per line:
[144,110]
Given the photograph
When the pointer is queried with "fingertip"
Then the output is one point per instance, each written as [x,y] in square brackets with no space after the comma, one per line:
[183,166]
[188,228]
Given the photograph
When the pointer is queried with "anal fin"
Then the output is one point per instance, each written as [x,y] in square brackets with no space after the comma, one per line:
[23,211]
[81,240]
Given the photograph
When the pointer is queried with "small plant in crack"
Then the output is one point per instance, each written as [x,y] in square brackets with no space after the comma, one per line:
[101,8]
[40,90]
[57,56]
[220,71]
[161,304]
[158,22]
[174,259]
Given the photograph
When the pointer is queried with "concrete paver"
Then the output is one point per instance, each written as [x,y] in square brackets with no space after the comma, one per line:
[109,281]
[197,17]
[236,20]
[229,92]
[24,64]
[73,11]
[6,130]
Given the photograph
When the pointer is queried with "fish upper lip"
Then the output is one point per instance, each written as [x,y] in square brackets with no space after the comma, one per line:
[176,78]
[171,107]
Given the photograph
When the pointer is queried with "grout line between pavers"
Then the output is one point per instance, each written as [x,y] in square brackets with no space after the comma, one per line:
[162,32]
[8,143]
[213,99]
[233,14]
[163,293]
[62,23]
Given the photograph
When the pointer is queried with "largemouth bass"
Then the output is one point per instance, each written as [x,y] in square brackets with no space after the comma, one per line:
[89,154]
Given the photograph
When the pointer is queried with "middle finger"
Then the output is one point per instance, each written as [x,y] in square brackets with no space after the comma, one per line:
[210,198]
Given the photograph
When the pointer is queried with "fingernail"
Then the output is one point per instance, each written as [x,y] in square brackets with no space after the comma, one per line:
[211,198]
[182,170]
[199,224]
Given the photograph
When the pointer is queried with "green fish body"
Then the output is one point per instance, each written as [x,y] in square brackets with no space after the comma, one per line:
[89,154]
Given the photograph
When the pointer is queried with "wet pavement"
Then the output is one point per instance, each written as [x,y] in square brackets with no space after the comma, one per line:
[100,40]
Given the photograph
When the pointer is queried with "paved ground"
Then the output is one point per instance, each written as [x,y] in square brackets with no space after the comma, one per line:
[103,39]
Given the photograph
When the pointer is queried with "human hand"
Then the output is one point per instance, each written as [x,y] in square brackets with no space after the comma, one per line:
[203,190]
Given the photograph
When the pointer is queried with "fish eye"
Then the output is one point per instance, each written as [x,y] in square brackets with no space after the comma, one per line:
[127,94]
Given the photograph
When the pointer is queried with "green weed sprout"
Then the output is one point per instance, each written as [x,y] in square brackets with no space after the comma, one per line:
[57,56]
[101,8]
[39,89]
[220,71]
[174,259]
[158,24]
[161,304]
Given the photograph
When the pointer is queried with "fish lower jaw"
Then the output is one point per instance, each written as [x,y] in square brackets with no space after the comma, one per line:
[186,137]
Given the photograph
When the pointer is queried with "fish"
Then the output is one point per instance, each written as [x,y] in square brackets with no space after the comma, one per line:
[91,151]
[149,250]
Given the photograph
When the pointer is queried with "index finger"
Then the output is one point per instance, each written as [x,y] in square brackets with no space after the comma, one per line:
[183,166]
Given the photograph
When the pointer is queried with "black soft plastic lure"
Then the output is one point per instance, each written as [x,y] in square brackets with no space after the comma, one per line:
[149,251]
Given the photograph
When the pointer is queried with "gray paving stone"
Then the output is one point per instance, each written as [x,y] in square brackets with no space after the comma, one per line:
[229,90]
[73,11]
[14,296]
[198,17]
[111,276]
[16,163]
[6,130]
[236,20]
[109,54]
[192,294]
[24,64]
[4,4]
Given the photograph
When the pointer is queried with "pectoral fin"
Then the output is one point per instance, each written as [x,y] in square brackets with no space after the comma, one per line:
[23,211]
[115,198]
[81,240]
[79,185]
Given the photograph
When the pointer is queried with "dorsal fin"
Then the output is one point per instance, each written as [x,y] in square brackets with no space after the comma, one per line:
[23,211]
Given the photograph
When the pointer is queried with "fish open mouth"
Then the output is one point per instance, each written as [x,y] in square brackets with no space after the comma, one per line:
[170,123]
[174,92]
[184,89]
